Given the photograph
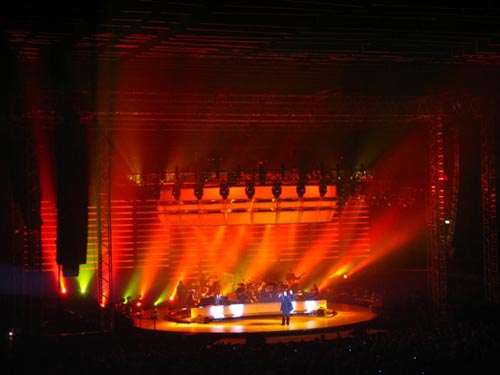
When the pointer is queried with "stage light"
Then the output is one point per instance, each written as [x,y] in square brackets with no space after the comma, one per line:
[322,189]
[157,192]
[198,191]
[250,190]
[176,191]
[276,189]
[301,189]
[224,190]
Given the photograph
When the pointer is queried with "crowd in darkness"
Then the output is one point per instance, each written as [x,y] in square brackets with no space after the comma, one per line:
[397,342]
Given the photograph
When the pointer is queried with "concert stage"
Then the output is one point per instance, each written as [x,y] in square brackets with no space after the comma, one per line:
[335,318]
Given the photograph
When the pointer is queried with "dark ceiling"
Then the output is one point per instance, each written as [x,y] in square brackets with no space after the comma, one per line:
[319,32]
[270,63]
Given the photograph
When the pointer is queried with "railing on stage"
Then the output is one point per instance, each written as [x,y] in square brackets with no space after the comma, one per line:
[241,310]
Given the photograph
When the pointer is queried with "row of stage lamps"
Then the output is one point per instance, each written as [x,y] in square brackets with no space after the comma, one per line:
[345,186]
[249,190]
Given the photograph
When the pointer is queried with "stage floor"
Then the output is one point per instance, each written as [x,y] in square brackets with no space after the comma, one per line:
[338,317]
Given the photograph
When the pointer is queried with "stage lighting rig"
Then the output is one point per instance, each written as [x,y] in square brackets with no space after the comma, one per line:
[250,190]
[322,189]
[301,189]
[224,190]
[276,189]
[198,191]
[176,190]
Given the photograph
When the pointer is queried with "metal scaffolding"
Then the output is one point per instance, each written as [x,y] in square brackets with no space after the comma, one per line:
[29,200]
[436,230]
[489,211]
[104,243]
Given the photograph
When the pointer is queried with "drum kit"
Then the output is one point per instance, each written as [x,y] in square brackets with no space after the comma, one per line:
[245,293]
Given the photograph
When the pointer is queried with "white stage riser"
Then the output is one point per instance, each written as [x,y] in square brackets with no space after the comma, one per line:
[241,310]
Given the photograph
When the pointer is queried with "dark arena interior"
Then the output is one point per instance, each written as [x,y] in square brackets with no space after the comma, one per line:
[178,176]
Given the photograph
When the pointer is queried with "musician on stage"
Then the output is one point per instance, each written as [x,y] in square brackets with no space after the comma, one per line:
[243,294]
[191,300]
[314,291]
[291,279]
[181,293]
[213,283]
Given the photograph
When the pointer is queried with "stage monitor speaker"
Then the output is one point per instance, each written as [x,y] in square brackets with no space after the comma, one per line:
[202,319]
